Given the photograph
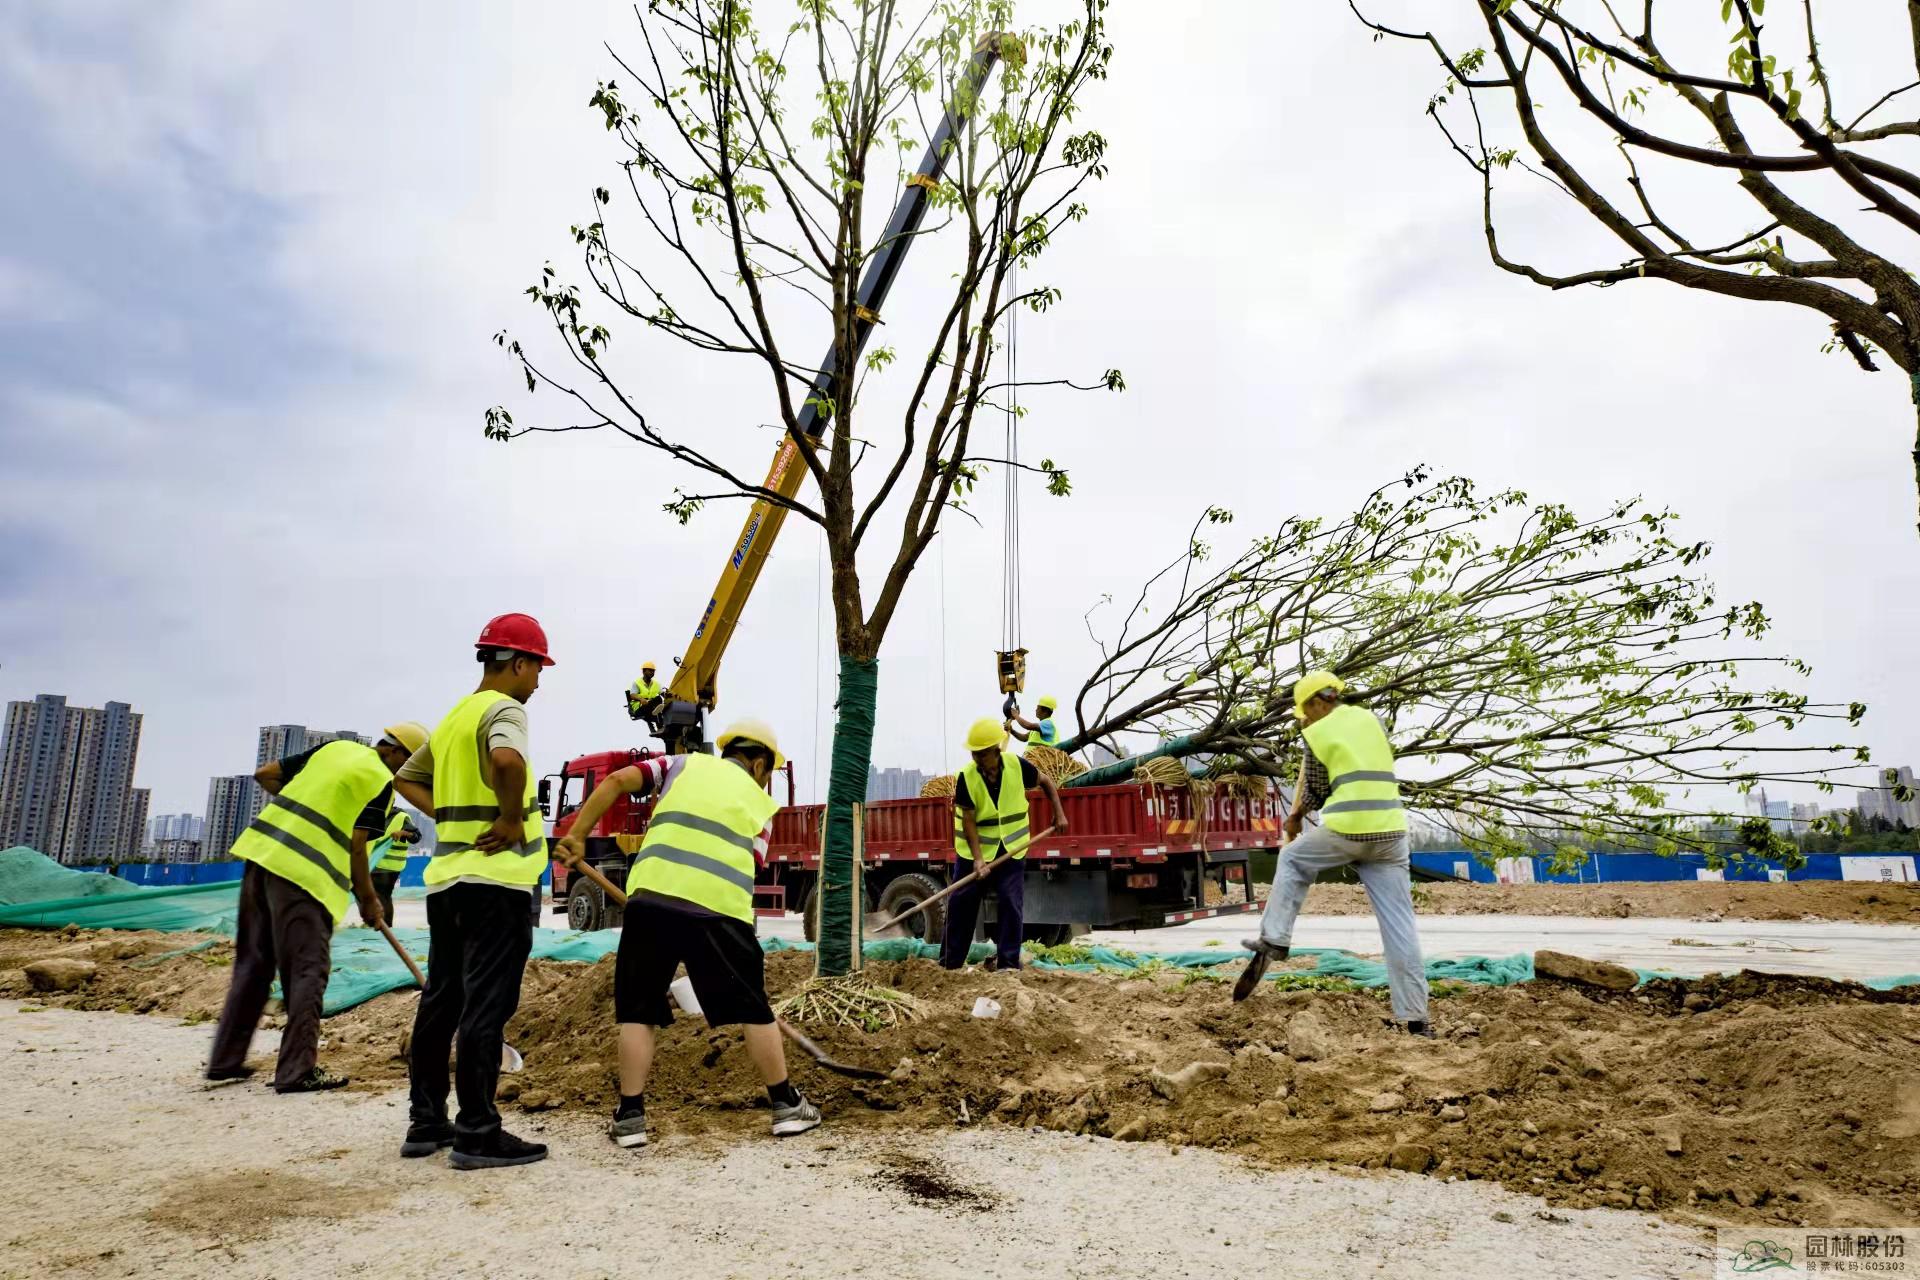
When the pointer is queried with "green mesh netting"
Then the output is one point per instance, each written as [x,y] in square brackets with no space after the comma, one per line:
[840,915]
[37,892]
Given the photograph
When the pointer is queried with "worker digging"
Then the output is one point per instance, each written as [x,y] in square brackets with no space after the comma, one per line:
[474,779]
[1347,773]
[388,856]
[690,901]
[306,857]
[990,831]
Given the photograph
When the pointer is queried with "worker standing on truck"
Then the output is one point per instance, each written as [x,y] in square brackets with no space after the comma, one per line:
[645,696]
[389,855]
[690,901]
[306,857]
[490,848]
[990,814]
[1346,772]
[1041,730]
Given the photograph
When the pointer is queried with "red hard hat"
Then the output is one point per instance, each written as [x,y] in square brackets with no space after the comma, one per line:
[517,631]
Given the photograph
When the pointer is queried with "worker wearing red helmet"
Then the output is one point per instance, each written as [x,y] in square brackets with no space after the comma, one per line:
[473,778]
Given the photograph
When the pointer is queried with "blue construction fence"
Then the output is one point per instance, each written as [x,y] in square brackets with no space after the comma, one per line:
[1601,868]
[182,873]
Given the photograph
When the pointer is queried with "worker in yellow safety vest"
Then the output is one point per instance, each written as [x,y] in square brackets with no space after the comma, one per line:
[306,857]
[1042,730]
[388,856]
[690,901]
[490,850]
[990,821]
[1347,773]
[646,696]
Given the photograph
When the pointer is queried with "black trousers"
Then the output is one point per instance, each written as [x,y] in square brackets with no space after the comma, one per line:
[1008,884]
[283,931]
[383,884]
[479,936]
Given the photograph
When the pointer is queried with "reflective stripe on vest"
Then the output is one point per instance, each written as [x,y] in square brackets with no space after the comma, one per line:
[464,806]
[389,854]
[305,834]
[1000,820]
[1353,748]
[699,845]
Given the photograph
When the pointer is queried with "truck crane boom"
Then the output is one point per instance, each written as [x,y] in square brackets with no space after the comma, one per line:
[680,723]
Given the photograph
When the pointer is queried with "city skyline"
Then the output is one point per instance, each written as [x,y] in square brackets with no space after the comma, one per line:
[66,779]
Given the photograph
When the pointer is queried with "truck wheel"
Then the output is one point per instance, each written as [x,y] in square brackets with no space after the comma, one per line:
[586,907]
[909,891]
[1047,935]
[810,910]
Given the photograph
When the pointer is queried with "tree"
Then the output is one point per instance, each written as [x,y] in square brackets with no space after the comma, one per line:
[751,170]
[1542,674]
[1581,81]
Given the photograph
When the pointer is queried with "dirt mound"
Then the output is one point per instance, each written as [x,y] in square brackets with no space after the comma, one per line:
[1861,901]
[1746,1097]
[180,973]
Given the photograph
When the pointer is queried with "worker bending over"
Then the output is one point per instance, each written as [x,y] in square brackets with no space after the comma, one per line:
[690,901]
[990,813]
[1041,730]
[489,851]
[1347,774]
[306,857]
[645,697]
[388,856]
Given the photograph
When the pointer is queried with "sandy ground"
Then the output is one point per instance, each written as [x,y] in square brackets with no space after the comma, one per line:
[125,1164]
[1857,900]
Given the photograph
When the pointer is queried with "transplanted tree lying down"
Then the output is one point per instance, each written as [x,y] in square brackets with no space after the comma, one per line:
[757,167]
[1541,673]
[1738,147]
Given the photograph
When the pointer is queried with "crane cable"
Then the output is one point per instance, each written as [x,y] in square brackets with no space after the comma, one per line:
[1010,595]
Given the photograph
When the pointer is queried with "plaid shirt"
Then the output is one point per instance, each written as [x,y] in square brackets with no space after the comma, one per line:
[1316,787]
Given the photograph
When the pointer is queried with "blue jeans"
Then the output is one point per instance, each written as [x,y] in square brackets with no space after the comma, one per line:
[1383,868]
[1008,883]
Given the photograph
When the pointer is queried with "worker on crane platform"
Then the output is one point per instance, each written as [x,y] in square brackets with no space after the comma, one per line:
[1347,773]
[1042,729]
[990,813]
[645,696]
[306,857]
[490,849]
[690,901]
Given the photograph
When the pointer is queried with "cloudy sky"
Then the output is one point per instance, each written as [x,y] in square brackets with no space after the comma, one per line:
[251,256]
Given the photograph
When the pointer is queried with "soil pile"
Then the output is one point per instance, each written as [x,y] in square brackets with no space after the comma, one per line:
[1861,901]
[1747,1097]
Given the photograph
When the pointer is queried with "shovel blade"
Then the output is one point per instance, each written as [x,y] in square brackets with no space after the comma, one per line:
[877,925]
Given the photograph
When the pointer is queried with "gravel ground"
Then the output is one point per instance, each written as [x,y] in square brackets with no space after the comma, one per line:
[126,1164]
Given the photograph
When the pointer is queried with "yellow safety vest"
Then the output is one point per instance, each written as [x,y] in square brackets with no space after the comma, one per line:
[1349,742]
[1000,819]
[645,690]
[464,806]
[305,834]
[699,845]
[388,854]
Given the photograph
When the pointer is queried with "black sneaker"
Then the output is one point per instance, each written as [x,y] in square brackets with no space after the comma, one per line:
[1264,954]
[425,1139]
[495,1151]
[313,1082]
[1417,1028]
[221,1075]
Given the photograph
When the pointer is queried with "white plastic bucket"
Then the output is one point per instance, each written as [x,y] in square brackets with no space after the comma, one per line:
[681,989]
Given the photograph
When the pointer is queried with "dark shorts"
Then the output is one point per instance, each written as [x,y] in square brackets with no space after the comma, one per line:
[723,959]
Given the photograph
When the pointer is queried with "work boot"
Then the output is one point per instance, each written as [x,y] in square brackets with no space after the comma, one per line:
[426,1139]
[313,1082]
[1418,1028]
[1264,954]
[221,1075]
[629,1129]
[495,1151]
[798,1118]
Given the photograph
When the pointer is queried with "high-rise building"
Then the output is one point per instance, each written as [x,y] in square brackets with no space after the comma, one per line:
[231,805]
[133,831]
[278,741]
[894,784]
[1884,801]
[66,779]
[175,826]
[173,849]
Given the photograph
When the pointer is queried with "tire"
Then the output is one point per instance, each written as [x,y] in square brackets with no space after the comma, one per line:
[1048,935]
[586,907]
[810,910]
[909,890]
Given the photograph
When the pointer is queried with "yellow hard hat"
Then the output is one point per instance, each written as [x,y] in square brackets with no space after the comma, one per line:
[410,734]
[649,665]
[1047,704]
[753,731]
[1314,682]
[986,733]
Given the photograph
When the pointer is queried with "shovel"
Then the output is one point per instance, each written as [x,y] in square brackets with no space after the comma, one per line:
[787,1029]
[877,927]
[510,1059]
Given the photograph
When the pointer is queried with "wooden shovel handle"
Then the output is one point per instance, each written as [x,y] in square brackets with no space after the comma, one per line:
[977,873]
[419,978]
